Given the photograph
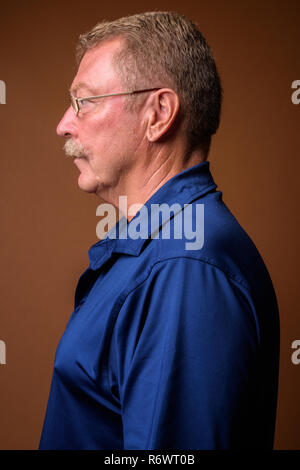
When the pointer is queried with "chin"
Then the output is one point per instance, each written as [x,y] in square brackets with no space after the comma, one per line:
[86,184]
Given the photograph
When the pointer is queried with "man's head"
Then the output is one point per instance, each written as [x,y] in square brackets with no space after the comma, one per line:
[166,48]
[159,49]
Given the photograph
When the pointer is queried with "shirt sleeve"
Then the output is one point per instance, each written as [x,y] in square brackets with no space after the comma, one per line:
[185,348]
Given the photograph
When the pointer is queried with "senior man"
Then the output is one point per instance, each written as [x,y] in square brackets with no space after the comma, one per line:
[172,344]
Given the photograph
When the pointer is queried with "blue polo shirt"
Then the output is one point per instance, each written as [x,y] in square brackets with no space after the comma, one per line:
[169,347]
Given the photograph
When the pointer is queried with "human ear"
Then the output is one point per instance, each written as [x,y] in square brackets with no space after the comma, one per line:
[165,106]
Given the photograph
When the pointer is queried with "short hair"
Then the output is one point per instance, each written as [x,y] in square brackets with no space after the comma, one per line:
[166,49]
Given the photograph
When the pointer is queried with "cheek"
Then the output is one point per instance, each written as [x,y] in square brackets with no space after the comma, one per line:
[98,130]
[109,136]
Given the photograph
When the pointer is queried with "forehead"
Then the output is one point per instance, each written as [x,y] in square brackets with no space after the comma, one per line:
[96,72]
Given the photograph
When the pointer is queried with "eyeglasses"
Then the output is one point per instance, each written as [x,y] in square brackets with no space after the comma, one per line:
[82,104]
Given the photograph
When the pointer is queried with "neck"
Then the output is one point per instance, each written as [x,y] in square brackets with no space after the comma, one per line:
[149,174]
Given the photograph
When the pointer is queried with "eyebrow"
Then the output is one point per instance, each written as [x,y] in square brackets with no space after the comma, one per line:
[82,85]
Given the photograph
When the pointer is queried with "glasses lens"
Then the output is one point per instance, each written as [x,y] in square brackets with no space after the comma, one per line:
[74,104]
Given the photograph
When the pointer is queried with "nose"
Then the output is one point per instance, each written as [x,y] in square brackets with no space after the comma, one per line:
[67,125]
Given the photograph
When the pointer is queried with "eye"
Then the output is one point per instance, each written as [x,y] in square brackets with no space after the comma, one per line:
[85,102]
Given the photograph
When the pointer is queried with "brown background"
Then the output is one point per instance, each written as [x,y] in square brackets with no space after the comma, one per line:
[48,224]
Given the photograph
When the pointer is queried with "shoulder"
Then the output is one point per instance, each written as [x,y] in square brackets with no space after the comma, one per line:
[207,232]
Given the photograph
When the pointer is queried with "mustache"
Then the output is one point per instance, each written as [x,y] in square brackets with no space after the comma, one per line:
[73,149]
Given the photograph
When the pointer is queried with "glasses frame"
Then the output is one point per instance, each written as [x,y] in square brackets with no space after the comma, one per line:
[75,101]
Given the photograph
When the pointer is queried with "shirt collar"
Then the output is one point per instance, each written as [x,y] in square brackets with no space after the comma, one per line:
[182,188]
